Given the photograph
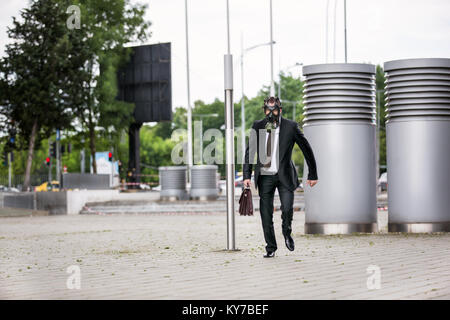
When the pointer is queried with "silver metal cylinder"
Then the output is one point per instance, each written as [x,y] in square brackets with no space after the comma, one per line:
[229,148]
[204,182]
[173,183]
[340,126]
[418,145]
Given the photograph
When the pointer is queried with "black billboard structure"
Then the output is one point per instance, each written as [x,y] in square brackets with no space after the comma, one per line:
[146,81]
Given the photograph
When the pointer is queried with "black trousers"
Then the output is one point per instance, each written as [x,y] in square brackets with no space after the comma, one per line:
[267,185]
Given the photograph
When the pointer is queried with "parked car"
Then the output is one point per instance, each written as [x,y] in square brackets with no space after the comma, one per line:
[41,188]
[54,186]
[144,186]
[7,189]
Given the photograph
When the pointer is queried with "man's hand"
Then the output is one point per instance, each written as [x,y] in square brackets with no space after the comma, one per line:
[247,183]
[311,183]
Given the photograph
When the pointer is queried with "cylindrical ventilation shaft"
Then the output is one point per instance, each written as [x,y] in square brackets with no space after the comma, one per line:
[418,144]
[340,125]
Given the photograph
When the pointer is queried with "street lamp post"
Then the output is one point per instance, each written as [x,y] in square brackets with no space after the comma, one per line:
[272,89]
[326,32]
[242,101]
[334,32]
[50,164]
[82,154]
[189,110]
[229,140]
[112,167]
[345,29]
[58,162]
[9,169]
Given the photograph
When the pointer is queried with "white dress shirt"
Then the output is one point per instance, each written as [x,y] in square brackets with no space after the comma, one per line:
[273,169]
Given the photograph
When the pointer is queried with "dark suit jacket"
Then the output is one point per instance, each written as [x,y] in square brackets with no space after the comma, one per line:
[289,134]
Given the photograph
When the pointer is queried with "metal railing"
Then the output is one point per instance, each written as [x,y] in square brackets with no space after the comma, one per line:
[17,180]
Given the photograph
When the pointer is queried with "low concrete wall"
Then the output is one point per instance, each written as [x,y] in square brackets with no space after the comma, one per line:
[63,202]
[53,202]
[19,200]
[77,199]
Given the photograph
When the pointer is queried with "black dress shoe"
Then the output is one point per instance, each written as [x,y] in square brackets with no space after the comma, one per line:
[289,242]
[269,254]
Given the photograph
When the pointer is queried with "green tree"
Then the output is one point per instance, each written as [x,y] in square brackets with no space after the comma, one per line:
[33,75]
[106,26]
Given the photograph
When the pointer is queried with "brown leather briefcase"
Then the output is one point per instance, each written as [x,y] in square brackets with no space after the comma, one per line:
[246,203]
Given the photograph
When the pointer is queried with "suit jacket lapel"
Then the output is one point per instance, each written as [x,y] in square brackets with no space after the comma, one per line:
[281,138]
[262,126]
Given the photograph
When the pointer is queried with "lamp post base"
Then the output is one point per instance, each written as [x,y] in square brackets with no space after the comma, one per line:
[340,228]
[419,227]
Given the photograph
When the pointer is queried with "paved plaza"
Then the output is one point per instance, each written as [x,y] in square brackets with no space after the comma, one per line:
[181,256]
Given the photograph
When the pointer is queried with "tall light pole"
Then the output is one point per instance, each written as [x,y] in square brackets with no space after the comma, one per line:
[58,149]
[229,139]
[345,29]
[326,32]
[334,32]
[189,110]
[50,164]
[112,167]
[9,169]
[82,154]
[242,102]
[243,52]
[272,88]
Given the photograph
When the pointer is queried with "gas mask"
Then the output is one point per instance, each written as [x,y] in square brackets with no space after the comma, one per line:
[271,117]
[272,104]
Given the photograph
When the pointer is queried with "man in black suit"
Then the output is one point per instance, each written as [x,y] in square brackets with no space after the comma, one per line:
[272,139]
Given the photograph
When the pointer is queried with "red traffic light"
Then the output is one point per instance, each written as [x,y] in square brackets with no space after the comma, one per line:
[47,161]
[110,156]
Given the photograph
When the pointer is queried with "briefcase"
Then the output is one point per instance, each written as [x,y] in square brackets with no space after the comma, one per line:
[246,203]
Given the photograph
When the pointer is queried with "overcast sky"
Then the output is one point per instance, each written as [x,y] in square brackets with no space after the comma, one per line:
[377,31]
